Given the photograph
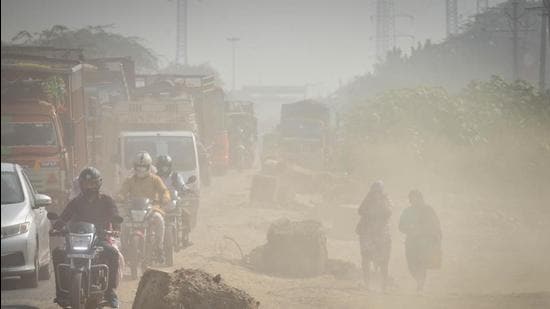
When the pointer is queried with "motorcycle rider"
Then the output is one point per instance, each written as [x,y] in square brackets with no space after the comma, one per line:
[145,184]
[172,180]
[94,207]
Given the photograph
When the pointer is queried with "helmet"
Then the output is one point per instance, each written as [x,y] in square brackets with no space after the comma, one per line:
[142,163]
[164,165]
[90,181]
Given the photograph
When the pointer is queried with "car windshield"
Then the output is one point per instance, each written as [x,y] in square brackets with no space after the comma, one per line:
[28,134]
[11,188]
[180,148]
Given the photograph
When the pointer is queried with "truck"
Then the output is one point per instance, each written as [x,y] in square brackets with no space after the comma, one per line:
[294,156]
[304,133]
[242,129]
[43,120]
[107,83]
[209,109]
[160,119]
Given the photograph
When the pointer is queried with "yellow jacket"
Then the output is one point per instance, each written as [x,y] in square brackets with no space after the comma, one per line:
[150,186]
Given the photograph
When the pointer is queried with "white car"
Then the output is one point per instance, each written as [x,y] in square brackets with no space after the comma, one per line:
[25,228]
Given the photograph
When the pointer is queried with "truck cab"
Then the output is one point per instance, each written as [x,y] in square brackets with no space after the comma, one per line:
[32,137]
[304,137]
[180,145]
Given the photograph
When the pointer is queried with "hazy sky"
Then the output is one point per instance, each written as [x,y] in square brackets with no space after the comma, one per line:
[283,42]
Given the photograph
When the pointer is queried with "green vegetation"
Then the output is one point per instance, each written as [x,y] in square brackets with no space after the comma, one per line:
[95,41]
[491,131]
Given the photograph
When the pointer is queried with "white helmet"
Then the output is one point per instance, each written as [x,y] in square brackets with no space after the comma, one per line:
[142,163]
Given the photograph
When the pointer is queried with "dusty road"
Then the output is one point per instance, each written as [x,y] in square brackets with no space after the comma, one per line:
[482,268]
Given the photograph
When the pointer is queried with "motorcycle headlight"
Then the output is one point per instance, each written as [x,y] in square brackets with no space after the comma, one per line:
[138,215]
[14,230]
[81,242]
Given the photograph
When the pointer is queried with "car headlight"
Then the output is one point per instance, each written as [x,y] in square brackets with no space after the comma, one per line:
[14,230]
[80,242]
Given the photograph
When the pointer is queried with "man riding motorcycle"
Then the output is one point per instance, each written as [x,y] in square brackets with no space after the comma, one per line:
[145,184]
[94,207]
[172,180]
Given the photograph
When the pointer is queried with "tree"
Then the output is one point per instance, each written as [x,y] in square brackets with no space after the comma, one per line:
[199,69]
[95,41]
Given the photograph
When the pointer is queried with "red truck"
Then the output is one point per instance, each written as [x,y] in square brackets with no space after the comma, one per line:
[43,120]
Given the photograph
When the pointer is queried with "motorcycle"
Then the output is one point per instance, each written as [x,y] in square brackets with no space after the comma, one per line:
[178,223]
[138,238]
[83,277]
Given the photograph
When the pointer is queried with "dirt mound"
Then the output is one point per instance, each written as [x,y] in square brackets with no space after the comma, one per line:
[188,288]
[295,249]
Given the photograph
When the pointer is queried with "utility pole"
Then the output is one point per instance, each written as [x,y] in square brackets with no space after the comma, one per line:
[385,27]
[515,38]
[233,41]
[543,45]
[451,7]
[182,46]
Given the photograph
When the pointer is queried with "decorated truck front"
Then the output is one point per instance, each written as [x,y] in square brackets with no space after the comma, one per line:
[32,137]
[43,121]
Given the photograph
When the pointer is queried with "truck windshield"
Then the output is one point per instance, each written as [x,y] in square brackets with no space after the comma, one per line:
[11,188]
[28,134]
[299,128]
[180,148]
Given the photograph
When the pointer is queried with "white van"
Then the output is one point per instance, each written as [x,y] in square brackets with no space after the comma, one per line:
[181,146]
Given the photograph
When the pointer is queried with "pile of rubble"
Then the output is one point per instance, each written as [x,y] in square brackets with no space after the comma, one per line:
[294,249]
[189,288]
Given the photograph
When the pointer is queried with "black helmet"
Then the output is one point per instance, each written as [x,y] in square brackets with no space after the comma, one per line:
[164,165]
[89,173]
[90,180]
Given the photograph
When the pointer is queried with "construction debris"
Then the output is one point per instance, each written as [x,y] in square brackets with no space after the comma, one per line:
[189,288]
[295,249]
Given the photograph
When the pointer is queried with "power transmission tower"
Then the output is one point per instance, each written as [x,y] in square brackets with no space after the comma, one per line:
[515,38]
[385,27]
[182,46]
[515,15]
[451,7]
[544,31]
